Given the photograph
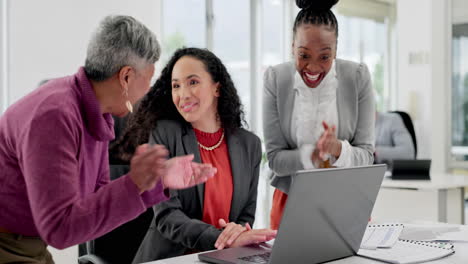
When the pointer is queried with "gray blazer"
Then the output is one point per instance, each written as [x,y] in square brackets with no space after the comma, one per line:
[356,117]
[177,225]
[393,141]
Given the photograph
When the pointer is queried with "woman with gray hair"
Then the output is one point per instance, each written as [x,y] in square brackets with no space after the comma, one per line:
[54,183]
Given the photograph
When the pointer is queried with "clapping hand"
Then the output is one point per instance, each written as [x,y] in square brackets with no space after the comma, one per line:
[182,172]
[149,164]
[328,143]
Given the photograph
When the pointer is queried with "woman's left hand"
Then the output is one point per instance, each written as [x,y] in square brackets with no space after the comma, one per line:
[328,143]
[230,233]
[182,172]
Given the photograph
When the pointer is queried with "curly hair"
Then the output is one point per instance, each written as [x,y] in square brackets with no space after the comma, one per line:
[158,105]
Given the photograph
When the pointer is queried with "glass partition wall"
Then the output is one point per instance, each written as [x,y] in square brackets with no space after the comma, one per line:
[251,35]
[459,79]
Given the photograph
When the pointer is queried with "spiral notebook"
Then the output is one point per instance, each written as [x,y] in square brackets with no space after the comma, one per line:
[381,235]
[409,251]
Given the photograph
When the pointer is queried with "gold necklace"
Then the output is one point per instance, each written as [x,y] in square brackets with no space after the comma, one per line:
[212,147]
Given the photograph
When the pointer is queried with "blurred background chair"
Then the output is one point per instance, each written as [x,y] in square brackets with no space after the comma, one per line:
[409,125]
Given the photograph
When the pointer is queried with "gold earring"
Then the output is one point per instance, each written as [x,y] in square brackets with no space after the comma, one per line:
[128,104]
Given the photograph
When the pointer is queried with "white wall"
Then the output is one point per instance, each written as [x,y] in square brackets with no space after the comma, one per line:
[422,74]
[48,39]
[460,11]
[413,37]
[441,90]
[3,54]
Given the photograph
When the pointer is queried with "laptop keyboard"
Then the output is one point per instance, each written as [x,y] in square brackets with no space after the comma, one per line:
[260,258]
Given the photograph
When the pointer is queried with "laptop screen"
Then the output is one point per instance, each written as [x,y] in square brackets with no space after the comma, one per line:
[326,214]
[325,218]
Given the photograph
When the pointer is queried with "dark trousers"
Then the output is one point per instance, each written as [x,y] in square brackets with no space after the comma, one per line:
[23,249]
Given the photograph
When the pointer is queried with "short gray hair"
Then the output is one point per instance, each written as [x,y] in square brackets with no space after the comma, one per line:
[120,41]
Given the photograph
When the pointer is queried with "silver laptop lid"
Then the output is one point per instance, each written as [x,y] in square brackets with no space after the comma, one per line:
[326,214]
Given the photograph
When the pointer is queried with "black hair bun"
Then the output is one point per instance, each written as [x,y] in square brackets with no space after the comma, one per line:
[319,5]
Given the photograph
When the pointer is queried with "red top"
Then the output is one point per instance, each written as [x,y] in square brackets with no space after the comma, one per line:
[218,190]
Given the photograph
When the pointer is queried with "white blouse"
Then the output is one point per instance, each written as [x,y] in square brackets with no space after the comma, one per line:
[311,107]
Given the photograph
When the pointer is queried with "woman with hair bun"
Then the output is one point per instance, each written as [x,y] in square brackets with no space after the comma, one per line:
[318,111]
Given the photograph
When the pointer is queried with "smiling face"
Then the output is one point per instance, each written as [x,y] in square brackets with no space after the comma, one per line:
[314,50]
[194,93]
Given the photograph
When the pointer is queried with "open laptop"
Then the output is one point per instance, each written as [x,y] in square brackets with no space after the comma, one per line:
[325,218]
[412,169]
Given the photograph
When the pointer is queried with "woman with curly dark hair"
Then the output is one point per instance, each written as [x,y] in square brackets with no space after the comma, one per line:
[193,108]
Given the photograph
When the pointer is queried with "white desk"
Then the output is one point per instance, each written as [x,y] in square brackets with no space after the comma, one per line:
[438,200]
[460,257]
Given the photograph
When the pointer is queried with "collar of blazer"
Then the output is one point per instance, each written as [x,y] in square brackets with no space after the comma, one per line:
[237,159]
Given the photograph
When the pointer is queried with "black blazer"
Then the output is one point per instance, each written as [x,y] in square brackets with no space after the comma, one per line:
[177,224]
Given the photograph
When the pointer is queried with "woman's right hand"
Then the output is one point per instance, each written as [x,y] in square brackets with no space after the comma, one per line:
[147,166]
[254,236]
[316,160]
[328,143]
[181,172]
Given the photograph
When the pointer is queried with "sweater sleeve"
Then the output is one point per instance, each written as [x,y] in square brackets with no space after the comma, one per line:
[155,195]
[48,154]
[104,171]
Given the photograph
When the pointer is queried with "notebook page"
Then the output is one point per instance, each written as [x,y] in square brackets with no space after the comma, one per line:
[406,252]
[383,236]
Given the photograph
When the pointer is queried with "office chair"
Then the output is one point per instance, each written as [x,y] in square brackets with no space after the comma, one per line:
[121,244]
[409,125]
[91,259]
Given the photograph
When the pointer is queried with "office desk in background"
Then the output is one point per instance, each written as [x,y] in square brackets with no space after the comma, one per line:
[460,257]
[439,200]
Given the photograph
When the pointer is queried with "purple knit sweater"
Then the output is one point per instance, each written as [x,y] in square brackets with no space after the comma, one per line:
[54,170]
